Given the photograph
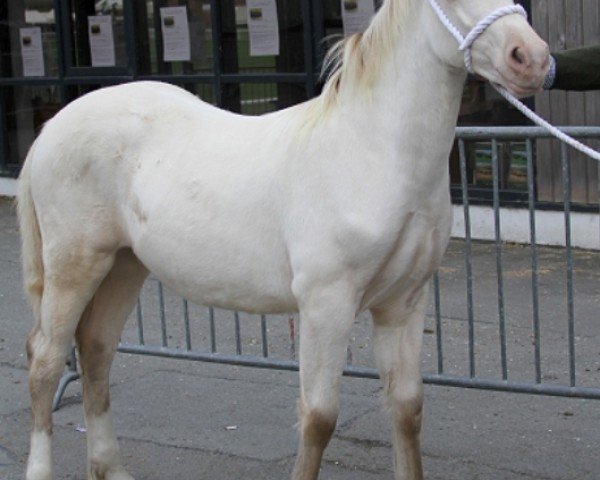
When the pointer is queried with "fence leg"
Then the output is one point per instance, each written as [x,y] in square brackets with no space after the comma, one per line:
[69,376]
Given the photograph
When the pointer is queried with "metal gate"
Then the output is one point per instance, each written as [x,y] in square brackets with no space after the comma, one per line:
[502,316]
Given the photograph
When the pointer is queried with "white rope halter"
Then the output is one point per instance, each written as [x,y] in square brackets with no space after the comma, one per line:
[465,44]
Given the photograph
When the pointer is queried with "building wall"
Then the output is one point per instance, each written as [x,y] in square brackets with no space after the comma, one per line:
[566,24]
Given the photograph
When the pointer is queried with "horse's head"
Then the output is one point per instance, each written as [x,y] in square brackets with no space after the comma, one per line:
[504,49]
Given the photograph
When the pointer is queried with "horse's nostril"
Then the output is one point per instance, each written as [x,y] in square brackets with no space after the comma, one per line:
[518,56]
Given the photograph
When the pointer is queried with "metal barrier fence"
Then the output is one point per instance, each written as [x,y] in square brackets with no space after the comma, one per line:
[502,317]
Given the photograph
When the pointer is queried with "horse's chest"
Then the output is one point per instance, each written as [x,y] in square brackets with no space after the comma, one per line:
[412,258]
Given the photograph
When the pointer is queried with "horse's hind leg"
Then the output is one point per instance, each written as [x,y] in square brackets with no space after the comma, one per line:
[70,279]
[398,336]
[97,338]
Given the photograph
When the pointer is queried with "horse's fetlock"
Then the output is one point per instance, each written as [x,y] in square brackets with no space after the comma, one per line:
[97,471]
[316,425]
[408,415]
[39,463]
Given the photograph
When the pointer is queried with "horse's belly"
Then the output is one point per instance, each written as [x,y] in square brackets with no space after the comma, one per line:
[234,271]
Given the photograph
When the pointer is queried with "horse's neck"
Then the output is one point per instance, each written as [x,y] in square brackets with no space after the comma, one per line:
[414,103]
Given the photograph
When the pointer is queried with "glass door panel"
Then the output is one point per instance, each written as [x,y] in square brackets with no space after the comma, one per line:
[28,41]
[176,37]
[98,35]
[26,109]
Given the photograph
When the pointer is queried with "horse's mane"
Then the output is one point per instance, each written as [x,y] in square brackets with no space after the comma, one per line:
[357,60]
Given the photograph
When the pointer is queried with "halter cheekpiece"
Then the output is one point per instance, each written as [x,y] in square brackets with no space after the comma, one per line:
[465,43]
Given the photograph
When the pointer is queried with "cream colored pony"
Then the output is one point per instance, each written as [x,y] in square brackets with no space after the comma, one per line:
[330,207]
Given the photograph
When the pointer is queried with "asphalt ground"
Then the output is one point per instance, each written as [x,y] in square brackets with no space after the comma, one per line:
[178,419]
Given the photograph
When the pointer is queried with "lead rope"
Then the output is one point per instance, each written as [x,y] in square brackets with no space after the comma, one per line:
[465,44]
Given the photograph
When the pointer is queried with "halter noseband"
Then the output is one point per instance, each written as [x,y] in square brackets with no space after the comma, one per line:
[465,43]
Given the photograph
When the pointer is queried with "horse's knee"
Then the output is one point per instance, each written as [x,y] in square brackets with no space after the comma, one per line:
[47,363]
[316,425]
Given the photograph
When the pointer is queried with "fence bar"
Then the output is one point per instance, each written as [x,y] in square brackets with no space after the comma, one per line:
[292,330]
[309,57]
[514,387]
[238,337]
[498,241]
[534,263]
[510,133]
[438,322]
[163,319]
[213,332]
[216,34]
[468,253]
[365,372]
[140,324]
[569,257]
[263,336]
[186,324]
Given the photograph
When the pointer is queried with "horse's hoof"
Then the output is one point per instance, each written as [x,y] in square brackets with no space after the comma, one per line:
[119,476]
[39,473]
[118,473]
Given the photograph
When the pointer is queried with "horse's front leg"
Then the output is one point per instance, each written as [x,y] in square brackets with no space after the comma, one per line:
[398,337]
[326,316]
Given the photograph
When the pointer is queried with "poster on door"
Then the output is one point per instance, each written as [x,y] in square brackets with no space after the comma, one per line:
[356,15]
[102,41]
[32,51]
[263,27]
[176,34]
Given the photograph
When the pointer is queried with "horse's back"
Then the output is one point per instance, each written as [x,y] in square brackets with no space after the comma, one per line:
[98,144]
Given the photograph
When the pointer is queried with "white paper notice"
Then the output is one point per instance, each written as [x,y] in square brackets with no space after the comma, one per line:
[32,51]
[102,42]
[176,34]
[356,15]
[263,27]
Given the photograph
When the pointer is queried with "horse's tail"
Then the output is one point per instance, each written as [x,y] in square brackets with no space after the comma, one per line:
[31,239]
